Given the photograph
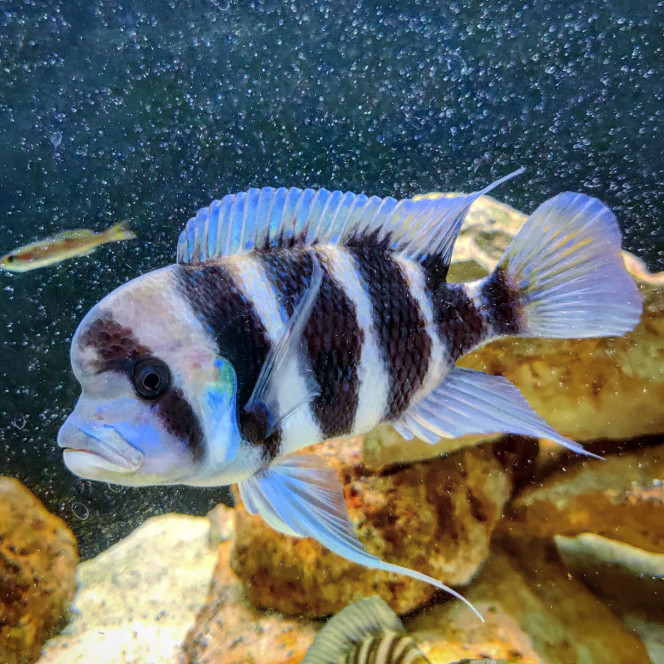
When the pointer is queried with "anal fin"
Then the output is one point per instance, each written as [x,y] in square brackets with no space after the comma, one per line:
[302,496]
[474,402]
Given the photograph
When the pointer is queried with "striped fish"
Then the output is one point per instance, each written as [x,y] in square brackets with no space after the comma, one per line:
[366,632]
[293,316]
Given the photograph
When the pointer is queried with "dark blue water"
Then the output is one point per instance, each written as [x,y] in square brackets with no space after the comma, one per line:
[148,110]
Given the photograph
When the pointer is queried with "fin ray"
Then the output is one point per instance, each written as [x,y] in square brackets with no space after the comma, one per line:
[474,402]
[268,217]
[566,267]
[280,404]
[302,495]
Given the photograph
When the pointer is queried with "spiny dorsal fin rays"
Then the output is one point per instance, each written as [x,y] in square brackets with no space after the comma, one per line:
[263,218]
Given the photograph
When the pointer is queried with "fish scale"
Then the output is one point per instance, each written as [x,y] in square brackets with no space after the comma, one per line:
[332,337]
[459,321]
[398,320]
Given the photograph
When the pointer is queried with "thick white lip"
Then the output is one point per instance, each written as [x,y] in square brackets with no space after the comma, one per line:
[97,448]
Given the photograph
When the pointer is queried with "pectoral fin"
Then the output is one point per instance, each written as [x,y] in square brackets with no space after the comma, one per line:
[269,405]
[302,496]
[474,402]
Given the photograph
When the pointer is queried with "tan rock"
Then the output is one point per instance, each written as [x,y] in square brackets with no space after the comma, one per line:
[230,630]
[623,575]
[534,613]
[436,517]
[650,628]
[38,556]
[137,599]
[588,389]
[621,498]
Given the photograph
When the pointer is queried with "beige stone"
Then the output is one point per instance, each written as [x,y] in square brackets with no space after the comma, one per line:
[620,498]
[623,575]
[230,630]
[534,613]
[137,599]
[436,517]
[38,557]
[588,389]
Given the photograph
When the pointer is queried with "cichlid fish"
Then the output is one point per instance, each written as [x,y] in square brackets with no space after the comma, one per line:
[293,316]
[366,632]
[57,248]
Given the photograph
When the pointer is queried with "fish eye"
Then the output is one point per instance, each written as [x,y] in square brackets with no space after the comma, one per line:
[11,258]
[151,378]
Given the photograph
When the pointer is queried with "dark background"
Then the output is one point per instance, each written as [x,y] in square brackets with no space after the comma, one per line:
[147,110]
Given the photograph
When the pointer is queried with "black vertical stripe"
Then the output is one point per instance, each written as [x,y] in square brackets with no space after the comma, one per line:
[332,336]
[459,321]
[235,325]
[179,419]
[370,657]
[396,640]
[401,328]
[119,351]
[501,303]
[410,648]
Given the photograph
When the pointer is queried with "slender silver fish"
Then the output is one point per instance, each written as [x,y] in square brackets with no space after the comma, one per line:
[292,316]
[62,246]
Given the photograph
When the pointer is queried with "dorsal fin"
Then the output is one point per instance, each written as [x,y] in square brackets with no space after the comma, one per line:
[370,616]
[272,218]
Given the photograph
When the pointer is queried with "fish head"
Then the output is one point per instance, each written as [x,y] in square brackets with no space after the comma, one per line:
[157,403]
[11,262]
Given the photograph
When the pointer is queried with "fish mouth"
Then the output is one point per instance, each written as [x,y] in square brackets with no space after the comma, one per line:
[89,451]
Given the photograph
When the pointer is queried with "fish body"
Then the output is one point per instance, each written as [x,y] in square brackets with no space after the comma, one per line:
[62,246]
[366,632]
[293,316]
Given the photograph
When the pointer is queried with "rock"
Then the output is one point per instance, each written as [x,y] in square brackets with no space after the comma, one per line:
[230,630]
[650,630]
[137,599]
[588,389]
[620,498]
[534,613]
[621,574]
[436,517]
[629,579]
[222,524]
[38,556]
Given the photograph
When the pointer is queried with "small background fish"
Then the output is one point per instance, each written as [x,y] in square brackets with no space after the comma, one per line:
[62,246]
[367,632]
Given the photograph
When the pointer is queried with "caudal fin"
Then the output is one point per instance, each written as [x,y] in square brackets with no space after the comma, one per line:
[120,231]
[567,273]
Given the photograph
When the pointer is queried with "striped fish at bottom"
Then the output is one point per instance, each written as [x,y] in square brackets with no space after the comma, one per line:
[296,315]
[366,632]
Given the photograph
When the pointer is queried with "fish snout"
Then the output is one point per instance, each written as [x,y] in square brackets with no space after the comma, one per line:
[96,451]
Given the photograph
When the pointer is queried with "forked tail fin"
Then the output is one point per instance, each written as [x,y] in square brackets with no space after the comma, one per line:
[120,231]
[565,273]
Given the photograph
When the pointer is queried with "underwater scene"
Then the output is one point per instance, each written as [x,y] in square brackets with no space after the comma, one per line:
[332,331]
